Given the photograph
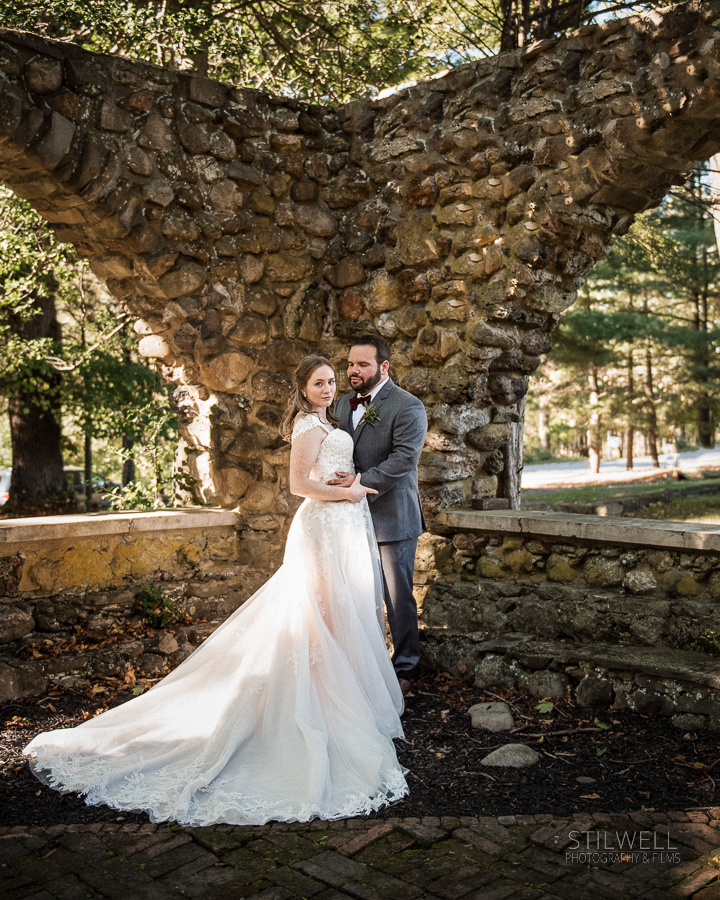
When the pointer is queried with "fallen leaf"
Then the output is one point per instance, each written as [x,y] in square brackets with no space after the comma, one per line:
[589,796]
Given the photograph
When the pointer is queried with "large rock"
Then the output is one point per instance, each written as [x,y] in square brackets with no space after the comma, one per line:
[546,683]
[227,372]
[15,623]
[594,690]
[20,680]
[460,418]
[511,756]
[491,716]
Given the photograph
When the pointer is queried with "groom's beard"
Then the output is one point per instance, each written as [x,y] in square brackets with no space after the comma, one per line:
[365,385]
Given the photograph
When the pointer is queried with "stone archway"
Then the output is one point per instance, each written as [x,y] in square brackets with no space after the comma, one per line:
[456,218]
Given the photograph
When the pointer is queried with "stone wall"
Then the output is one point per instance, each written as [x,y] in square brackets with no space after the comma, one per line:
[618,611]
[456,218]
[69,588]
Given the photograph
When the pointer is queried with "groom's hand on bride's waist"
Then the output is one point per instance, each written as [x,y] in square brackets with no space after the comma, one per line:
[344,479]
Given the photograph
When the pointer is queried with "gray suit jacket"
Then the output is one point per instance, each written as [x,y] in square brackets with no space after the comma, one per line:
[386,455]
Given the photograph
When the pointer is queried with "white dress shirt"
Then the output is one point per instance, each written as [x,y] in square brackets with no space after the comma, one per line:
[360,411]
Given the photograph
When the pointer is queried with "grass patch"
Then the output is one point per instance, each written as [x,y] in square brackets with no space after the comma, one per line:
[704,510]
[601,492]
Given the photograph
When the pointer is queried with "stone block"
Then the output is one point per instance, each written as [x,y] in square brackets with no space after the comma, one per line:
[347,272]
[157,135]
[258,498]
[460,418]
[491,716]
[285,267]
[207,92]
[42,75]
[11,573]
[56,141]
[559,569]
[158,191]
[182,280]
[112,118]
[442,467]
[15,623]
[546,683]
[230,484]
[602,572]
[226,372]
[20,680]
[594,690]
[689,722]
[489,437]
[271,387]
[494,671]
[650,703]
[151,663]
[514,756]
[153,346]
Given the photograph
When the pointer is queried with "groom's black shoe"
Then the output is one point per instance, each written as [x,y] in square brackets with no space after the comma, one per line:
[405,686]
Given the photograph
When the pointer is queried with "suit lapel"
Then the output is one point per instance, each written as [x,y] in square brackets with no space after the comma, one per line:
[377,402]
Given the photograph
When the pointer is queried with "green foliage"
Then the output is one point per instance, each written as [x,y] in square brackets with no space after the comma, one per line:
[648,323]
[91,370]
[152,604]
[322,51]
[708,642]
[136,495]
[545,707]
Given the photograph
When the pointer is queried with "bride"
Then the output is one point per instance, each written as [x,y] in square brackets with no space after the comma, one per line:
[288,710]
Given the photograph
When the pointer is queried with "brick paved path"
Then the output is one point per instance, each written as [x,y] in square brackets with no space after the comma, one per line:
[512,857]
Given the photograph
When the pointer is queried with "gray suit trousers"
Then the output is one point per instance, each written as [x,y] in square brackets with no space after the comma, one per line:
[398,560]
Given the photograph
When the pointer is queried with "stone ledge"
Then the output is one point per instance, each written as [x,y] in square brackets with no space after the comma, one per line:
[16,531]
[546,525]
[660,662]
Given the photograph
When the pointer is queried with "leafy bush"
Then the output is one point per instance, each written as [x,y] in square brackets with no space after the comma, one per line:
[152,604]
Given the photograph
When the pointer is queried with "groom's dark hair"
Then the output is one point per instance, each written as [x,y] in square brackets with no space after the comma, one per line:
[382,350]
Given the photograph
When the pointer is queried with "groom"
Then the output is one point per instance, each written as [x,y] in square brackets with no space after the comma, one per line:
[388,425]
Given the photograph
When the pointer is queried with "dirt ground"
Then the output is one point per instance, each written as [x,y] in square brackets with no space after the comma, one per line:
[592,760]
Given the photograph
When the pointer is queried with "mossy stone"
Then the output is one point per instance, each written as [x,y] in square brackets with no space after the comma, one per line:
[489,568]
[559,569]
[687,587]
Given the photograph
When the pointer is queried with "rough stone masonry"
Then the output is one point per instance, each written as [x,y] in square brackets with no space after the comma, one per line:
[456,218]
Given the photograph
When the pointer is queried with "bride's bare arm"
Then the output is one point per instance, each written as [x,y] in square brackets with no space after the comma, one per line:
[303,454]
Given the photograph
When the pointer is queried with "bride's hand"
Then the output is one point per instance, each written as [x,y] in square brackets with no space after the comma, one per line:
[357,491]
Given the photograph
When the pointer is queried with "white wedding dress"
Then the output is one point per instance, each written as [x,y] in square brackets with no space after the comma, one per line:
[287,711]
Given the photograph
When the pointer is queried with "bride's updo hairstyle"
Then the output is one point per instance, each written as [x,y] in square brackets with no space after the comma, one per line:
[299,405]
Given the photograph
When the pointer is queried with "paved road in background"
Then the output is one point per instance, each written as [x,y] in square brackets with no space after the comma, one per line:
[578,473]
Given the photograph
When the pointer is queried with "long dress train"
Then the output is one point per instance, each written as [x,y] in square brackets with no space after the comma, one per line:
[287,711]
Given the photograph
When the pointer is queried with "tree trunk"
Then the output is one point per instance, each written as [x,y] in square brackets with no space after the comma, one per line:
[128,469]
[35,429]
[510,477]
[593,435]
[714,165]
[652,407]
[630,433]
[88,472]
[544,424]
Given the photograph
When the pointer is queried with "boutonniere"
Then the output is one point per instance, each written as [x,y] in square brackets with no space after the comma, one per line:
[371,415]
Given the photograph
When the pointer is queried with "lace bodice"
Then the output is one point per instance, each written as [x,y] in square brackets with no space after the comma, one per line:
[336,452]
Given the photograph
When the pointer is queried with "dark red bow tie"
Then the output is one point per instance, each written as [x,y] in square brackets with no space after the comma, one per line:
[359,401]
